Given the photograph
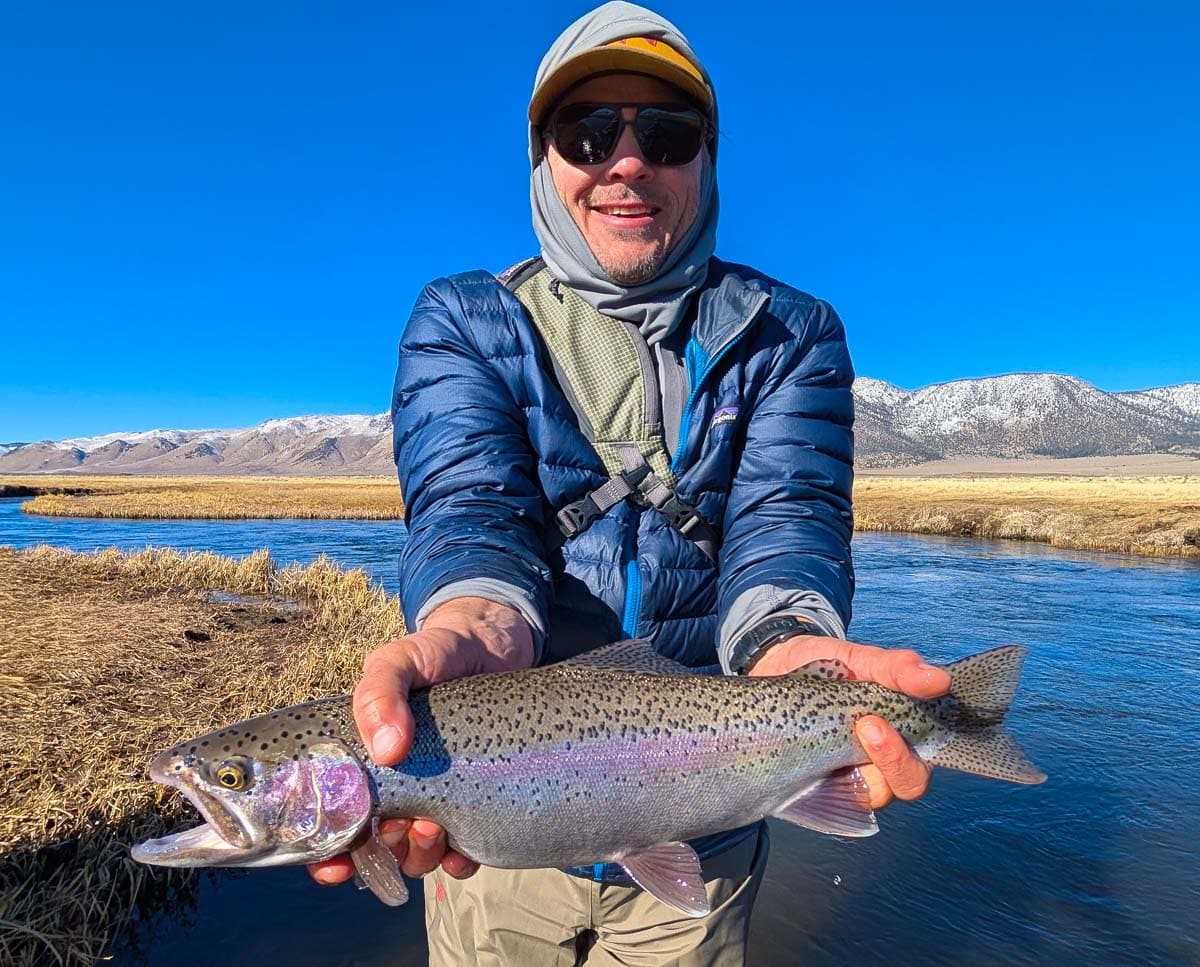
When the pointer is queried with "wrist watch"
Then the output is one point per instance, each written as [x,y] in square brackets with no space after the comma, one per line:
[753,643]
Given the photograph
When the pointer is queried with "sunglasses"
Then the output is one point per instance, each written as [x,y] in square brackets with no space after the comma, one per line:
[667,134]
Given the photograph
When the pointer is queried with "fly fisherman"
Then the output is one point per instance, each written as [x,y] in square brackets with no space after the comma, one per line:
[625,437]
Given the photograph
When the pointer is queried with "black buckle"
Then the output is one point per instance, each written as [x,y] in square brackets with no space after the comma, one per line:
[577,516]
[682,517]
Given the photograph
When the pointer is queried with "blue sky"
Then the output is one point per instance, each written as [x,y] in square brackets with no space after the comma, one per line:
[221,213]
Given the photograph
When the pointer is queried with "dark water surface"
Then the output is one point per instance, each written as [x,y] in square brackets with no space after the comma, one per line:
[1101,865]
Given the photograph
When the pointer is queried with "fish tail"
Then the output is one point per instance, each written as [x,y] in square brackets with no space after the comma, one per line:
[981,692]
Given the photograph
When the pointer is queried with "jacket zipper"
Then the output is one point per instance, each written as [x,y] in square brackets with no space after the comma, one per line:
[632,608]
[685,425]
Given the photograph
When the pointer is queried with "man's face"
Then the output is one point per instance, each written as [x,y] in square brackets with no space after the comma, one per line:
[631,213]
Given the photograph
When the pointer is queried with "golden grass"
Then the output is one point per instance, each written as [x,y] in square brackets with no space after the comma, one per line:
[1151,515]
[1155,516]
[104,660]
[228,498]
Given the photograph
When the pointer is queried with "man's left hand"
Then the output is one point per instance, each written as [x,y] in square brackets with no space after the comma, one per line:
[896,771]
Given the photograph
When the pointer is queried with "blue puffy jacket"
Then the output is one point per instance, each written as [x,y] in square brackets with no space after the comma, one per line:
[488,449]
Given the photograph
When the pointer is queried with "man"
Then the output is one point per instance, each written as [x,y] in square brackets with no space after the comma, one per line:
[546,520]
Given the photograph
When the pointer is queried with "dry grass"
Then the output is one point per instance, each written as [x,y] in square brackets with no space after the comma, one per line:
[1156,516]
[108,658]
[229,498]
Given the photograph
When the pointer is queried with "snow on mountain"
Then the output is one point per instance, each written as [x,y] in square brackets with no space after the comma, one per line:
[1180,402]
[356,425]
[1016,415]
[93,443]
[876,391]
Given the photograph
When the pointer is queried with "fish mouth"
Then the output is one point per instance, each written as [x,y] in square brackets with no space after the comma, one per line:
[219,841]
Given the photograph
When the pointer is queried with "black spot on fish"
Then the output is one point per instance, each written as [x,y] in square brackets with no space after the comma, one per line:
[264,747]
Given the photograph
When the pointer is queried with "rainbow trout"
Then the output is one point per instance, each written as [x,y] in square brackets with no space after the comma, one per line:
[617,756]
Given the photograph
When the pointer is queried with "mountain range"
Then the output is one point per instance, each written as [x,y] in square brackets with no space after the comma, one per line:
[1011,416]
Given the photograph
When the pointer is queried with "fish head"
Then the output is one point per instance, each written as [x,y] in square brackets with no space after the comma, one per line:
[278,800]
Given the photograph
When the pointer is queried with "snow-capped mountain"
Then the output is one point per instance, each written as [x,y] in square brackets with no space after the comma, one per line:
[1180,402]
[1029,414]
[1017,415]
[301,445]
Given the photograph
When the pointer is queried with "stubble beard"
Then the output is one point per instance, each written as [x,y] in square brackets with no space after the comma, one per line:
[631,270]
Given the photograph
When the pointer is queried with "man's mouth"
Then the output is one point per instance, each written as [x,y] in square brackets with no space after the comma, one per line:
[627,213]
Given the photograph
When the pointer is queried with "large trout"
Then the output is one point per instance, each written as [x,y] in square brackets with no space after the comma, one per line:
[618,756]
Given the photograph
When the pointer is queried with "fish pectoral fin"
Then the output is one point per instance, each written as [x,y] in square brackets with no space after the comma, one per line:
[829,669]
[376,868]
[838,804]
[670,872]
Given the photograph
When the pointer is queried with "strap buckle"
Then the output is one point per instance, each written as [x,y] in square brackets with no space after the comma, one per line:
[577,516]
[681,516]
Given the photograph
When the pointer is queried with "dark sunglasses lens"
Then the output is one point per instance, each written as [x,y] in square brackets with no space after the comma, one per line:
[586,134]
[669,137]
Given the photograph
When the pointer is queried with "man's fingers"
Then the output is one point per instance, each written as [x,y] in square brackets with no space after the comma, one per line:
[904,773]
[879,792]
[900,669]
[426,847]
[332,871]
[458,866]
[381,704]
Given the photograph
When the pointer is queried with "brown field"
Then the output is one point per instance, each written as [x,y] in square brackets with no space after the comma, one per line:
[1157,516]
[108,658]
[227,498]
[1136,514]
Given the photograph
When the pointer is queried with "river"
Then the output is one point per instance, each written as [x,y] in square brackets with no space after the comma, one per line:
[1099,865]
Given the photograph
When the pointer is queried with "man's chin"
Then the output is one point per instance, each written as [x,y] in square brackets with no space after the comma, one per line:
[630,270]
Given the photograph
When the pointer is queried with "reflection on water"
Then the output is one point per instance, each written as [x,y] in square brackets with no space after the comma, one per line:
[1099,865]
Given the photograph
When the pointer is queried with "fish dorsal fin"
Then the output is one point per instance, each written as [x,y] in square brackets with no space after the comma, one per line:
[670,872]
[376,869]
[838,803]
[830,669]
[636,655]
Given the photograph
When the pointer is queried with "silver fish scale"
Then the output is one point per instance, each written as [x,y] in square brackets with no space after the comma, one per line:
[551,767]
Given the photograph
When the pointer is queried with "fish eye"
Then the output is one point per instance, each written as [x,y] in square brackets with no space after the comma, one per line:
[231,776]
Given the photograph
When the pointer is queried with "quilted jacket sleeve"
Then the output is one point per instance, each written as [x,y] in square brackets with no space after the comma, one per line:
[472,504]
[788,521]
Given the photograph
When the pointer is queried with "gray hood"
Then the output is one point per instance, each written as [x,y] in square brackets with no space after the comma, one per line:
[656,306]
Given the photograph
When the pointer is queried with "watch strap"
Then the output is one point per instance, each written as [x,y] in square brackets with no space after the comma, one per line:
[750,647]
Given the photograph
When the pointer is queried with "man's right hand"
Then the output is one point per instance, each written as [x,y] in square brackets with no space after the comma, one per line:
[466,636]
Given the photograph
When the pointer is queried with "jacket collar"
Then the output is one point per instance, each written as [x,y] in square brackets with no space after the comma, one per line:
[728,304]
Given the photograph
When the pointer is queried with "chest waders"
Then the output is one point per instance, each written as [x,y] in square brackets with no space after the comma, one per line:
[606,371]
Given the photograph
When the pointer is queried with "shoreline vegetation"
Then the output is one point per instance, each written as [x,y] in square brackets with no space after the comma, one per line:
[108,658]
[1156,515]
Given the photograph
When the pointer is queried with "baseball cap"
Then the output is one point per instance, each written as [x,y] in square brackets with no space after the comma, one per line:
[635,55]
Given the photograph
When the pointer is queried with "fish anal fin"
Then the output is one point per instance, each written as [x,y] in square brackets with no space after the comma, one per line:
[377,869]
[670,872]
[829,669]
[838,804]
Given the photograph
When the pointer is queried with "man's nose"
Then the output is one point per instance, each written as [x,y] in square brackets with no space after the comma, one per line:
[627,162]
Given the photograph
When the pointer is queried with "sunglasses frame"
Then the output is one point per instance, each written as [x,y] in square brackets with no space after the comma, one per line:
[707,132]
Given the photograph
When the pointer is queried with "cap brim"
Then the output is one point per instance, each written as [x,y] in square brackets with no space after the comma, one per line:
[604,59]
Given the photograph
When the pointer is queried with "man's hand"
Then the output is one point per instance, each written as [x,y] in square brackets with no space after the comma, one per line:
[467,636]
[896,771]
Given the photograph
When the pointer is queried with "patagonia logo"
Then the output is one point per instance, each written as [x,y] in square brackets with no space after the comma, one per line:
[726,414]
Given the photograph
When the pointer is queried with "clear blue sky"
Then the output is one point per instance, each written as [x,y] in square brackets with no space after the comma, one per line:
[215,214]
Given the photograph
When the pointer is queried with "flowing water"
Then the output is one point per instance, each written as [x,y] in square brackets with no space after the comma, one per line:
[1100,865]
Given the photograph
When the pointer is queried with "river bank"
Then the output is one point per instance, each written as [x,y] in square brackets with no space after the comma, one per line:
[1156,515]
[108,658]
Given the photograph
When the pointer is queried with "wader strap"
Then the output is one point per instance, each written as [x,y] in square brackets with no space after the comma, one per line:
[607,376]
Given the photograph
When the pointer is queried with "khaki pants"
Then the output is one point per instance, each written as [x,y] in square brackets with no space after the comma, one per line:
[530,918]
